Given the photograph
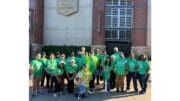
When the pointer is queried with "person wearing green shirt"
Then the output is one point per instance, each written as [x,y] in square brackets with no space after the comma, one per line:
[106,73]
[98,58]
[120,70]
[143,69]
[80,61]
[92,68]
[132,68]
[116,53]
[52,68]
[71,73]
[60,74]
[58,57]
[44,61]
[83,78]
[113,75]
[37,69]
[68,60]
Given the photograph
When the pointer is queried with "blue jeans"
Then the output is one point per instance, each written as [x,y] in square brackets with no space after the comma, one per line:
[108,84]
[143,81]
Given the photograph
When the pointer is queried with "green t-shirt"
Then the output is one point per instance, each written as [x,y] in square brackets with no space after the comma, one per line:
[71,68]
[37,67]
[103,59]
[99,56]
[116,55]
[68,60]
[120,66]
[84,77]
[131,64]
[80,61]
[52,67]
[44,61]
[112,65]
[58,59]
[91,64]
[106,72]
[143,66]
[60,71]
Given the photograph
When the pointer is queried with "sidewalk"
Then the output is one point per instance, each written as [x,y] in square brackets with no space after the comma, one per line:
[96,96]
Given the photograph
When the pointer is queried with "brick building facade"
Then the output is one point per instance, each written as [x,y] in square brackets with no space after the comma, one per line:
[121,23]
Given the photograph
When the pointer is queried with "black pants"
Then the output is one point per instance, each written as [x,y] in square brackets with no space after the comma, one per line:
[143,81]
[91,83]
[129,76]
[98,74]
[43,78]
[112,80]
[70,87]
[61,81]
[57,86]
[47,76]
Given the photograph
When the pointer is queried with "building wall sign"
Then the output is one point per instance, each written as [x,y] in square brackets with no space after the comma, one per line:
[67,7]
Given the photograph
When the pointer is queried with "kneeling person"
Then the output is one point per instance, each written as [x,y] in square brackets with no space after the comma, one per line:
[83,78]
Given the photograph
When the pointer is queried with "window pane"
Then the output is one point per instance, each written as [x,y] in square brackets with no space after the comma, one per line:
[122,21]
[128,21]
[115,2]
[115,11]
[122,34]
[108,21]
[114,21]
[128,34]
[129,11]
[109,2]
[114,33]
[108,11]
[122,12]
[129,2]
[108,34]
[122,2]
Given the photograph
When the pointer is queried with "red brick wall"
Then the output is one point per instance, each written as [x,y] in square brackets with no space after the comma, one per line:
[139,23]
[98,37]
[36,8]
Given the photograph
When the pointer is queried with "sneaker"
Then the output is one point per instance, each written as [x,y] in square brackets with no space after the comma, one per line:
[59,93]
[55,95]
[78,97]
[117,90]
[141,92]
[136,91]
[127,90]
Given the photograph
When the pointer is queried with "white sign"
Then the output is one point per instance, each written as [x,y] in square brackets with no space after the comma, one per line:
[67,7]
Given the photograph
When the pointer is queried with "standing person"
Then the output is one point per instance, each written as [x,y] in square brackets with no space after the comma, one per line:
[92,68]
[83,51]
[143,69]
[44,61]
[120,69]
[60,74]
[116,53]
[37,69]
[106,74]
[71,73]
[98,59]
[71,57]
[52,71]
[80,61]
[131,67]
[112,75]
[83,78]
[58,57]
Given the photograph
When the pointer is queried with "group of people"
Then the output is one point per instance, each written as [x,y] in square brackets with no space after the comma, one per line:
[87,67]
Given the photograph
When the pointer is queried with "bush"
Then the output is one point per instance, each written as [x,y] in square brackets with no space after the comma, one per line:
[64,49]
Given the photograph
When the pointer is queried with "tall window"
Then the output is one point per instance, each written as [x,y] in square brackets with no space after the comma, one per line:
[118,19]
